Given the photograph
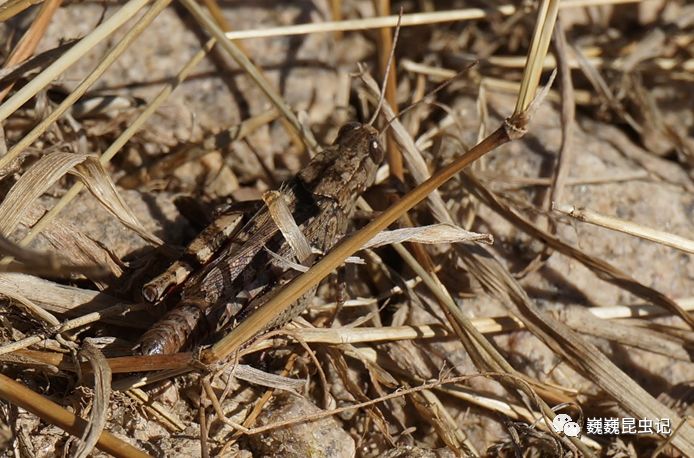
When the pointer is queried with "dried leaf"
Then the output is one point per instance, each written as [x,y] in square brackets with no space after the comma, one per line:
[58,298]
[282,216]
[49,169]
[95,178]
[432,234]
[35,181]
[258,377]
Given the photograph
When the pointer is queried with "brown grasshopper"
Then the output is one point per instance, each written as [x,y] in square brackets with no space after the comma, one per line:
[242,273]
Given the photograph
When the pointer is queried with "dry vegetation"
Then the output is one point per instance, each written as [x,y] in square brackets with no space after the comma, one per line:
[442,348]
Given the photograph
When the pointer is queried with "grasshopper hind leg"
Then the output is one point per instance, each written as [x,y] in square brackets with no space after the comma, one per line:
[200,250]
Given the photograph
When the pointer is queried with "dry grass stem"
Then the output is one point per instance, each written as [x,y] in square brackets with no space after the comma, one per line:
[544,26]
[639,310]
[170,419]
[591,55]
[493,84]
[626,227]
[51,412]
[11,8]
[387,68]
[415,19]
[511,183]
[568,113]
[27,45]
[40,81]
[118,365]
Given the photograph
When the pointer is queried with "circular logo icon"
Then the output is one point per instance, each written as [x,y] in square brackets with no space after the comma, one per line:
[559,422]
[572,429]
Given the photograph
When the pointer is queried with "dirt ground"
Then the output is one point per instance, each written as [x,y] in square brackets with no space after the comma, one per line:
[630,156]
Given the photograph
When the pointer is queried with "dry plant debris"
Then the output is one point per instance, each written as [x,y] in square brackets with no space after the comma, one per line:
[485,321]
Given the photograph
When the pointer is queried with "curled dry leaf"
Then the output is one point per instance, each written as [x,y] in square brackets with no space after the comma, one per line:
[37,179]
[49,169]
[95,178]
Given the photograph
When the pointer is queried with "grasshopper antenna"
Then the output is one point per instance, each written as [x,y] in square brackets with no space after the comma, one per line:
[434,91]
[387,72]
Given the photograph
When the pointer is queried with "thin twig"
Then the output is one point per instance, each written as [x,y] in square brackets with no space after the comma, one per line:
[627,227]
[413,19]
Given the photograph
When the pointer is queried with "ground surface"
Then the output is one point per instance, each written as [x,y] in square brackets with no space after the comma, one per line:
[641,175]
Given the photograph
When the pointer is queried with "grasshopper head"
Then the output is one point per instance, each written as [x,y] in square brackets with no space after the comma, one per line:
[360,137]
[345,169]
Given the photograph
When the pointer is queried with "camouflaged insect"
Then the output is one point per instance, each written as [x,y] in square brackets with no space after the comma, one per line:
[233,270]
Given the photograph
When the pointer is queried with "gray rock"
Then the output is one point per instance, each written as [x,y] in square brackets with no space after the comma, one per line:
[321,438]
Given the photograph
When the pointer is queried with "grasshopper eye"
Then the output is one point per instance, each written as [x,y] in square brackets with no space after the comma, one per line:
[375,151]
